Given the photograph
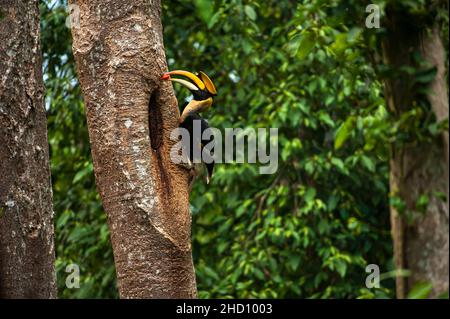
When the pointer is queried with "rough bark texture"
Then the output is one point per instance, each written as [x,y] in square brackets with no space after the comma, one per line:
[420,245]
[27,252]
[120,57]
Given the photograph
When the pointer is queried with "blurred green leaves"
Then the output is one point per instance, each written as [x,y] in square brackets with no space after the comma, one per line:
[307,231]
[344,132]
[301,44]
[420,291]
[205,9]
[306,44]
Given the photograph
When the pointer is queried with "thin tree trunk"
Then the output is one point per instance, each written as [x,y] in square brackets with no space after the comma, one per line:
[421,240]
[120,56]
[27,251]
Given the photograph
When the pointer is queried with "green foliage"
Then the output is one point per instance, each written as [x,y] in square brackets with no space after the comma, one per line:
[205,9]
[420,291]
[307,231]
[310,229]
[344,132]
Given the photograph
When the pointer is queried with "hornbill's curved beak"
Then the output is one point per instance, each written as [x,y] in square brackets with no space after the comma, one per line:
[201,87]
[199,83]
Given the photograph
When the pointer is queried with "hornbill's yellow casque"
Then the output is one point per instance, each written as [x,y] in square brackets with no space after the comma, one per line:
[203,90]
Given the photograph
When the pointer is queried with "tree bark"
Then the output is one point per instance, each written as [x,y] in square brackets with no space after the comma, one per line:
[27,251]
[120,57]
[421,240]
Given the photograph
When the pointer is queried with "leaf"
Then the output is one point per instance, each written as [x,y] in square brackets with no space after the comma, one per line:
[210,272]
[354,34]
[338,163]
[294,262]
[340,44]
[420,291]
[422,203]
[214,19]
[426,76]
[62,220]
[205,9]
[87,170]
[332,202]
[344,132]
[307,43]
[310,194]
[250,12]
[258,273]
[323,226]
[368,163]
[440,195]
[325,118]
[309,167]
[341,267]
[240,210]
[294,44]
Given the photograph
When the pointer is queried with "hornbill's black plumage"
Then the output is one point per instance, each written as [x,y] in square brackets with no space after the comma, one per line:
[203,90]
[196,143]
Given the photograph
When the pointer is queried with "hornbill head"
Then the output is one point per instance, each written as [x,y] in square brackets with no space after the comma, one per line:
[201,87]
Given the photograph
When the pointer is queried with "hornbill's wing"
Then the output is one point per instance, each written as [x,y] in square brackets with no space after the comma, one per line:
[208,144]
[197,143]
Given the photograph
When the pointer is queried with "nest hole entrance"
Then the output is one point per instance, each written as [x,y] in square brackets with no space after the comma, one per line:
[155,122]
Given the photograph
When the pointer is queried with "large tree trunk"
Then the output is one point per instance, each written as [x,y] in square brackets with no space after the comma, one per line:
[27,251]
[120,56]
[421,240]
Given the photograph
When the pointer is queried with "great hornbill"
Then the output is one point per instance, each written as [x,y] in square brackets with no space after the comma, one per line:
[203,90]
